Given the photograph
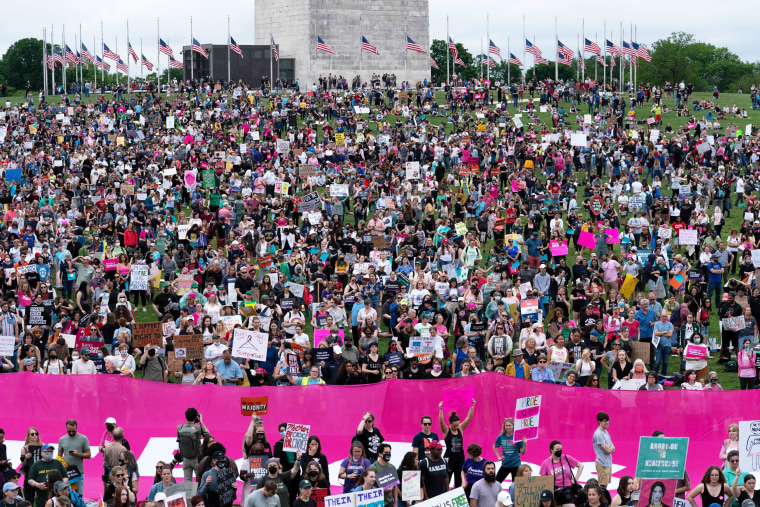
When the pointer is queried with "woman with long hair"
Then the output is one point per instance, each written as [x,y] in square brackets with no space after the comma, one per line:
[625,489]
[510,450]
[30,453]
[353,466]
[208,375]
[712,490]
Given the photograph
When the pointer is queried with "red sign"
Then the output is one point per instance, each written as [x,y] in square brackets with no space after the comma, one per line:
[256,405]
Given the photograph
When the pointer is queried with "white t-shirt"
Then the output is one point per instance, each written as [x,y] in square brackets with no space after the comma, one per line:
[636,187]
[81,367]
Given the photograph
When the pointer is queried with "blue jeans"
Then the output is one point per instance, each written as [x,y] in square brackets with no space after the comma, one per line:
[718,288]
[661,355]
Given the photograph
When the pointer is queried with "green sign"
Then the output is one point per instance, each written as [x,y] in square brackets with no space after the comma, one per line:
[208,179]
[662,457]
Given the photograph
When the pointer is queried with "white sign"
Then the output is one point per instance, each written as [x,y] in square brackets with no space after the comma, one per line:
[170,122]
[7,344]
[296,289]
[337,190]
[734,324]
[250,344]
[283,146]
[578,140]
[182,230]
[749,447]
[410,486]
[314,218]
[755,258]
[412,170]
[139,275]
[688,237]
[296,437]
[527,412]
[71,340]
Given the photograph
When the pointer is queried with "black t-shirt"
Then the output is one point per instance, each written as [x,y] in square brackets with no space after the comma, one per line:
[300,503]
[745,496]
[435,474]
[371,441]
[373,378]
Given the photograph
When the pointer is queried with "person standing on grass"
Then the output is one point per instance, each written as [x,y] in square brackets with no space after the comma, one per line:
[603,448]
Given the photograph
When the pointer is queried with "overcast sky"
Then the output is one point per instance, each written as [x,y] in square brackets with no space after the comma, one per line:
[709,22]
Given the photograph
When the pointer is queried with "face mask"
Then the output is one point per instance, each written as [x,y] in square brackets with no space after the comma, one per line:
[110,427]
[188,367]
[498,298]
[387,456]
[74,358]
[313,473]
[121,462]
[221,464]
[282,433]
[260,436]
[713,381]
[123,352]
[100,355]
[436,367]
[558,453]
[47,456]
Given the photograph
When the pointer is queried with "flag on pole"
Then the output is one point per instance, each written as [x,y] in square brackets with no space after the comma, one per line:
[71,58]
[322,46]
[50,61]
[612,61]
[107,53]
[487,60]
[601,60]
[494,49]
[122,66]
[514,60]
[146,63]
[413,46]
[581,62]
[564,50]
[236,49]
[432,63]
[197,48]
[57,56]
[164,48]
[532,48]
[627,49]
[102,64]
[612,48]
[174,63]
[564,59]
[82,61]
[454,52]
[641,52]
[541,59]
[459,61]
[592,47]
[366,46]
[132,52]
[86,54]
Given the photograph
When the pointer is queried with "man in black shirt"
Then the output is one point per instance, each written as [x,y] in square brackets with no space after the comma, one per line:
[243,283]
[414,372]
[434,472]
[166,302]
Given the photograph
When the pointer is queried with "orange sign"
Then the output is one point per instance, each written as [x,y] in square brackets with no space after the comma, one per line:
[256,405]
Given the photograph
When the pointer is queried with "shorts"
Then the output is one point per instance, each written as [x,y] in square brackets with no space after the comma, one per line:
[603,474]
[534,262]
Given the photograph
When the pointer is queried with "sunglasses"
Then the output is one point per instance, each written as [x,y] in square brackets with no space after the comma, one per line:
[427,424]
[33,434]
[542,361]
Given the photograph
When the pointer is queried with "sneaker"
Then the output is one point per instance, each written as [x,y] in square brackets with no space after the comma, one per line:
[144,309]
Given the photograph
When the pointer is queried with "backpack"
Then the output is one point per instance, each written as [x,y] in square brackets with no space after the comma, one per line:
[189,440]
[731,366]
[675,317]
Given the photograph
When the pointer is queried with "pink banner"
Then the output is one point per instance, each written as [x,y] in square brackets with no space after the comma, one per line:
[149,412]
[558,248]
[587,239]
[614,236]
[457,399]
[110,264]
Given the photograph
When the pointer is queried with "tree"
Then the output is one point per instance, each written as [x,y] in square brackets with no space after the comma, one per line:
[23,62]
[546,71]
[439,50]
[499,73]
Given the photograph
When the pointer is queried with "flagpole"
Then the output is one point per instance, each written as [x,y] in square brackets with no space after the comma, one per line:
[509,63]
[141,59]
[632,59]
[525,60]
[95,67]
[604,43]
[44,60]
[361,50]
[556,51]
[448,72]
[583,51]
[81,62]
[577,69]
[76,65]
[622,59]
[63,48]
[636,73]
[596,40]
[229,43]
[52,53]
[406,51]
[488,36]
[129,63]
[102,56]
[271,56]
[481,58]
[158,58]
[192,43]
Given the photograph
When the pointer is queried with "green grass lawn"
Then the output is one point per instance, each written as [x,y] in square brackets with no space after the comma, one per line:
[728,381]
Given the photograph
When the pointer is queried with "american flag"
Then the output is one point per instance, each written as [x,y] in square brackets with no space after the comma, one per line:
[57,56]
[274,50]
[122,66]
[236,49]
[581,62]
[367,46]
[612,61]
[601,60]
[101,64]
[131,52]
[82,61]
[592,47]
[322,46]
[487,60]
[564,59]
[164,48]
[146,63]
[432,63]
[532,49]
[514,60]
[174,63]
[107,53]
[613,49]
[454,50]
[71,58]
[86,54]
[459,61]
[50,61]
[413,46]
[564,50]
[494,49]
[541,59]
[641,52]
[197,48]
[628,50]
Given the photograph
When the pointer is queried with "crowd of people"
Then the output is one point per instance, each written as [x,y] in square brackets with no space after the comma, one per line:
[413,248]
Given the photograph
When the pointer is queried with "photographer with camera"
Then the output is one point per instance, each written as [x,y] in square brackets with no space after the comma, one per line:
[189,437]
[153,365]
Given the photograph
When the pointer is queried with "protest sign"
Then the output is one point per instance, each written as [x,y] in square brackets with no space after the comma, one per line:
[387,478]
[455,498]
[629,285]
[338,190]
[560,370]
[176,500]
[295,438]
[410,486]
[307,170]
[733,323]
[187,346]
[461,229]
[147,333]
[458,399]
[640,350]
[169,328]
[578,140]
[528,489]
[110,264]
[527,412]
[139,275]
[695,352]
[319,495]
[310,202]
[558,248]
[755,258]
[749,441]
[628,384]
[654,492]
[379,242]
[225,480]
[257,467]
[587,239]
[39,315]
[7,344]
[321,335]
[250,344]
[662,457]
[254,405]
[231,321]
[344,500]
[188,488]
[412,170]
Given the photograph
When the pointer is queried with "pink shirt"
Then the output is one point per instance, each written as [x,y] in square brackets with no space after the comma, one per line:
[610,270]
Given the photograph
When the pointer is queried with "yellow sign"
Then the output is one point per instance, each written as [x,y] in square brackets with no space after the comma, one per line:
[461,229]
[60,139]
[120,141]
[481,127]
[228,166]
[32,129]
[629,285]
[340,138]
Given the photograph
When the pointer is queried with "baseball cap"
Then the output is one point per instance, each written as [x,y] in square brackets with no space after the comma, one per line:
[273,461]
[8,486]
[435,444]
[110,420]
[547,496]
[337,349]
[59,485]
[47,446]
[304,484]
[218,455]
[160,497]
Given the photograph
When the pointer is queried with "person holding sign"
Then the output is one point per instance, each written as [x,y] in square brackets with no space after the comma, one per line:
[510,450]
[454,439]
